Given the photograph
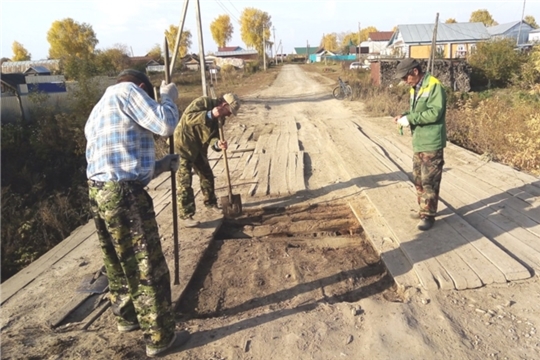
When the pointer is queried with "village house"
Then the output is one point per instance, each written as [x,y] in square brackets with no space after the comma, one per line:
[453,40]
[511,30]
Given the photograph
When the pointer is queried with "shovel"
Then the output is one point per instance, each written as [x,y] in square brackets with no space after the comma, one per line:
[231,204]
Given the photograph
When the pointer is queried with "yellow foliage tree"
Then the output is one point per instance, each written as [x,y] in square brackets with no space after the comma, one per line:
[185,40]
[347,40]
[483,16]
[221,29]
[529,19]
[19,52]
[69,38]
[155,52]
[364,33]
[450,21]
[255,27]
[113,60]
[329,42]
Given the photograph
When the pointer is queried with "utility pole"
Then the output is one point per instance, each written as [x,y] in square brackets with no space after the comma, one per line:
[275,46]
[433,46]
[202,62]
[307,51]
[359,38]
[521,24]
[264,48]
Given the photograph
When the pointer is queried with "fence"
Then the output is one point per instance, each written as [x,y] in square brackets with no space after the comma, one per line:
[58,101]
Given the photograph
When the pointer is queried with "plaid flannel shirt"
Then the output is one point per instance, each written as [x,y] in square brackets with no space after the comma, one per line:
[119,134]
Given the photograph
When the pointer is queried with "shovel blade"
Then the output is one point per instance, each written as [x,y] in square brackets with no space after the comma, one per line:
[231,208]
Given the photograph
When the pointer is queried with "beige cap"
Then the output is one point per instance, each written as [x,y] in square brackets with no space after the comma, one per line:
[233,101]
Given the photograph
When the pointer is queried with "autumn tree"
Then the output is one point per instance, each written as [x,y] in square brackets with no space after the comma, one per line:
[450,21]
[222,30]
[329,42]
[185,40]
[254,28]
[348,39]
[155,52]
[483,16]
[69,38]
[529,19]
[19,52]
[364,33]
[113,60]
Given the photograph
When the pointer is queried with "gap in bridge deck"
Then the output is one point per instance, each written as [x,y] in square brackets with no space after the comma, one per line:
[284,258]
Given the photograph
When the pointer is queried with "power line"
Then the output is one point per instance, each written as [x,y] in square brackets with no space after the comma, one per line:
[227,10]
[234,6]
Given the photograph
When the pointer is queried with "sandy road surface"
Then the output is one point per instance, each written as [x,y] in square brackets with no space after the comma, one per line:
[496,321]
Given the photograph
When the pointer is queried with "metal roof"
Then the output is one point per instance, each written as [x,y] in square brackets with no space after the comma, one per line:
[29,63]
[238,52]
[303,50]
[38,69]
[13,79]
[501,29]
[422,33]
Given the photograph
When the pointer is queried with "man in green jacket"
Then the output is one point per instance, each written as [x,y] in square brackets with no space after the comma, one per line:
[427,120]
[198,129]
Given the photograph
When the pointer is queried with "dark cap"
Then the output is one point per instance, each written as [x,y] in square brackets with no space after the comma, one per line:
[149,88]
[405,66]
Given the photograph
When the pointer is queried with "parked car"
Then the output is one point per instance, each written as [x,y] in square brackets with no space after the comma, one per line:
[358,65]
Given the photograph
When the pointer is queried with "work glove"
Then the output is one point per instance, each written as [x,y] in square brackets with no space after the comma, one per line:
[403,121]
[168,90]
[169,162]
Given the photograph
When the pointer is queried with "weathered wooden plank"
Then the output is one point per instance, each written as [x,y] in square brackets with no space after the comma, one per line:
[479,219]
[418,247]
[279,167]
[24,277]
[263,174]
[383,241]
[295,172]
[490,195]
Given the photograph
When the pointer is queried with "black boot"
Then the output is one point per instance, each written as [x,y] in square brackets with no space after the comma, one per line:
[426,223]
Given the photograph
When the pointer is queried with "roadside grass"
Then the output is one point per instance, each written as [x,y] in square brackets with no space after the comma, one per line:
[44,191]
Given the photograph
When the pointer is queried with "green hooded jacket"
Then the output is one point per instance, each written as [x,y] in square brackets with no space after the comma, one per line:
[427,115]
[195,132]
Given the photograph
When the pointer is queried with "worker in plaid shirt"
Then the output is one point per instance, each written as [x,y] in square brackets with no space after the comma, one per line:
[121,162]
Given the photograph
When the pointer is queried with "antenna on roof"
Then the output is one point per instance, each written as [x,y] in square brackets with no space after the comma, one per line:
[520,24]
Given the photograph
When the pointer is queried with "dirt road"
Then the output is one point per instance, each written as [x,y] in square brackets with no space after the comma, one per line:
[296,277]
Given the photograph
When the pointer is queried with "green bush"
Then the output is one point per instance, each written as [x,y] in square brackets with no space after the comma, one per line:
[496,60]
[251,67]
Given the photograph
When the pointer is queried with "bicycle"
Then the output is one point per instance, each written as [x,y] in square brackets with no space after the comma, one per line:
[342,91]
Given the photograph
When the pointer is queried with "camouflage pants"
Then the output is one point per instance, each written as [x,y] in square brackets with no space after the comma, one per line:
[427,175]
[184,181]
[139,280]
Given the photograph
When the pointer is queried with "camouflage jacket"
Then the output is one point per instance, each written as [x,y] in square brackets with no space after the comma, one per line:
[195,131]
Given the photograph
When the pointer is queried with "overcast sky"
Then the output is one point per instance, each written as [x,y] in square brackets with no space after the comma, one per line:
[141,24]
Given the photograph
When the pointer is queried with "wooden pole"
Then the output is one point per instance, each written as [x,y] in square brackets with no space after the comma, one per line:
[179,36]
[433,46]
[264,48]
[201,49]
[173,179]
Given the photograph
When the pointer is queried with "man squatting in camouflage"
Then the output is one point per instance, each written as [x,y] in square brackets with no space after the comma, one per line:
[427,120]
[121,162]
[196,131]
